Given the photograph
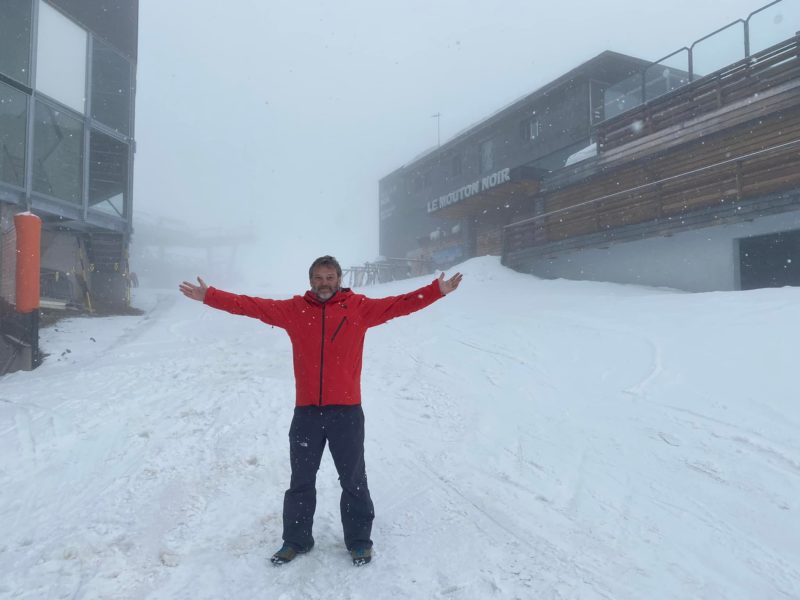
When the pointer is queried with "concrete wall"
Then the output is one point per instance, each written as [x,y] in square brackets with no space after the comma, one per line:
[699,261]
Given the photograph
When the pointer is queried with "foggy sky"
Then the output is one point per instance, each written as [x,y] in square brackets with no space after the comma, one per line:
[279,117]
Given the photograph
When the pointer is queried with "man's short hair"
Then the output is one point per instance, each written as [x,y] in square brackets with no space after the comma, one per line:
[325,261]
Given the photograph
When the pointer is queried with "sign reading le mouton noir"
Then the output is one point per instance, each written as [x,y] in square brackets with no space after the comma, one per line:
[484,183]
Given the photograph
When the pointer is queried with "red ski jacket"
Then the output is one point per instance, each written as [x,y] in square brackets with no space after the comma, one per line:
[327,337]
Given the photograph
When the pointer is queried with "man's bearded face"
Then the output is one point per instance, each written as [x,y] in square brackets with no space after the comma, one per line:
[325,282]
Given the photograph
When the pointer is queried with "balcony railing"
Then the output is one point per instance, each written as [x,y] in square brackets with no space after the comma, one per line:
[740,39]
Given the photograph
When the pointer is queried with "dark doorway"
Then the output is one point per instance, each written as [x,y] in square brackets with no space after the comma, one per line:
[770,260]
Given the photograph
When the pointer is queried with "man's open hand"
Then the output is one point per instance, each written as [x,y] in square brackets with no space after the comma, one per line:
[451,284]
[195,292]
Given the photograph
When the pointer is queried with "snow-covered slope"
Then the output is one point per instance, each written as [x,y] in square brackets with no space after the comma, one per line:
[525,439]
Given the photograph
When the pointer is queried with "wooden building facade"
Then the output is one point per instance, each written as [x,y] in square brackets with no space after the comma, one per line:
[690,181]
[453,202]
[713,167]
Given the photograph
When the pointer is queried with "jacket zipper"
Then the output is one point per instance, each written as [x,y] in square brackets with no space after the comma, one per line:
[344,318]
[321,355]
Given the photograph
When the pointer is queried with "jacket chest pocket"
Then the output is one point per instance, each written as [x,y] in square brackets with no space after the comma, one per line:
[341,324]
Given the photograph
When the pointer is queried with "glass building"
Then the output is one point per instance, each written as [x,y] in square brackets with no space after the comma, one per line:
[67,91]
[67,82]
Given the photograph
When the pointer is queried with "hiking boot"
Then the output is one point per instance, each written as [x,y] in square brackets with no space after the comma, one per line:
[286,554]
[361,556]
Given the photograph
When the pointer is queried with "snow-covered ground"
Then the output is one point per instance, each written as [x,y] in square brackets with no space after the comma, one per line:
[525,439]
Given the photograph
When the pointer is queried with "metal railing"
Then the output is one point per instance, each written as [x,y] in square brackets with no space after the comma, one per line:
[389,269]
[739,39]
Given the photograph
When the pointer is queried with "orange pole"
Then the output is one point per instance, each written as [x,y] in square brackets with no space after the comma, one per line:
[29,243]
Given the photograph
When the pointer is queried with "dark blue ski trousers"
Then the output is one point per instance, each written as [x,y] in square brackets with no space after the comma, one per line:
[342,427]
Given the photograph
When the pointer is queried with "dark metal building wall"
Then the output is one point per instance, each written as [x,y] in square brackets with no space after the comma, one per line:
[563,121]
[564,116]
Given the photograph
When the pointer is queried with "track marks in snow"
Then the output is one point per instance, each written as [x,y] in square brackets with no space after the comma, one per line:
[513,465]
[640,389]
[509,563]
[152,482]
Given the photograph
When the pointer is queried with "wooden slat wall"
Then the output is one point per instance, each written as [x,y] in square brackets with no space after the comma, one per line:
[762,71]
[490,242]
[691,160]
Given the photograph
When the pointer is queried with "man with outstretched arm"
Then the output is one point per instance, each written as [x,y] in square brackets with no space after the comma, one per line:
[326,326]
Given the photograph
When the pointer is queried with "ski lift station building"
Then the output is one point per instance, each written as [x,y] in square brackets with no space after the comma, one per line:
[683,172]
[67,80]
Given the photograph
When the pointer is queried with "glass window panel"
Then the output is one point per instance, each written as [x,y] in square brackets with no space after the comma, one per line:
[623,96]
[532,129]
[111,87]
[597,91]
[13,118]
[15,39]
[57,154]
[720,50]
[457,165]
[487,156]
[61,58]
[773,24]
[108,173]
[666,75]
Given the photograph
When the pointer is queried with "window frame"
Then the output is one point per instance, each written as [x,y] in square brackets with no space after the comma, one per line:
[95,206]
[77,209]
[130,86]
[29,67]
[86,68]
[530,129]
[70,113]
[25,142]
[482,168]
